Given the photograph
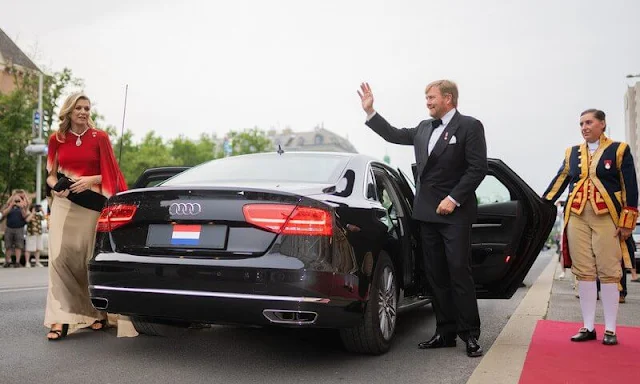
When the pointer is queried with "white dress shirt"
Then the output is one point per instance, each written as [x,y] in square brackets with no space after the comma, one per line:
[435,135]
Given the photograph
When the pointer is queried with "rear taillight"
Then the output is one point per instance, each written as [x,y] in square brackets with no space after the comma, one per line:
[115,216]
[289,219]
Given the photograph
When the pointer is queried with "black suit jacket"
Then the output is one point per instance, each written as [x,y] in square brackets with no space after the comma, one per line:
[455,167]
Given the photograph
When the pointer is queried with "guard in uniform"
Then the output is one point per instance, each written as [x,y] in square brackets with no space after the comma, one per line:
[599,217]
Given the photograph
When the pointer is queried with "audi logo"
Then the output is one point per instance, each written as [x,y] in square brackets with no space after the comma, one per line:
[185,209]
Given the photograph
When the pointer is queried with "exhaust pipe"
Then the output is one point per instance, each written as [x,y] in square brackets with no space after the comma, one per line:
[285,316]
[99,303]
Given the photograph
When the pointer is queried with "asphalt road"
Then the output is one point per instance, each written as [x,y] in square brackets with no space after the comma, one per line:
[224,354]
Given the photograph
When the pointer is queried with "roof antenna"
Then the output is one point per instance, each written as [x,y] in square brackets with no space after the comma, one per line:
[124,113]
[280,150]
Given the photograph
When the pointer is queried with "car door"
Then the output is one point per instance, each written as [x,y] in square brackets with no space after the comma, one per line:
[512,226]
[154,176]
[399,214]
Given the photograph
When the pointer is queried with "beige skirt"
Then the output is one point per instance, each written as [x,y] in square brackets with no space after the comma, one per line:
[72,237]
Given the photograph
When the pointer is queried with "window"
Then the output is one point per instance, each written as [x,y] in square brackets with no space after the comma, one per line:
[288,167]
[319,139]
[370,186]
[492,191]
[300,141]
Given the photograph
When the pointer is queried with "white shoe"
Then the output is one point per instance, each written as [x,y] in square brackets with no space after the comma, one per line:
[561,275]
[38,264]
[28,264]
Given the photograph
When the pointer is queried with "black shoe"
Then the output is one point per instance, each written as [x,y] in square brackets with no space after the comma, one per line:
[610,338]
[584,335]
[6,265]
[473,348]
[439,341]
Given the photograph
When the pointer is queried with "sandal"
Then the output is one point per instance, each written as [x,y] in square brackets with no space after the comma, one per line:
[103,325]
[60,333]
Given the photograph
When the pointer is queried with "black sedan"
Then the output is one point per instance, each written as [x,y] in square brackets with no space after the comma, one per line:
[298,239]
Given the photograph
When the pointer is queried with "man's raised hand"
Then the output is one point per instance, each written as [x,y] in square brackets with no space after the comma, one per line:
[366,97]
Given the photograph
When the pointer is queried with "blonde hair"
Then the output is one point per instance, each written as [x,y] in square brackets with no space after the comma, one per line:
[445,87]
[65,114]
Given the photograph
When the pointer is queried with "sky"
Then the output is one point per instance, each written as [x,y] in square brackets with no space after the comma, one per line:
[526,69]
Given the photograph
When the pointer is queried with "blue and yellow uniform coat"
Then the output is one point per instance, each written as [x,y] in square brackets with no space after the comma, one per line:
[606,180]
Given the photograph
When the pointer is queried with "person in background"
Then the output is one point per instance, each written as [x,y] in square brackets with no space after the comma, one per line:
[600,215]
[34,236]
[16,214]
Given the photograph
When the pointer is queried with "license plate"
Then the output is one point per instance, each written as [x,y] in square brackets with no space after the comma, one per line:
[187,236]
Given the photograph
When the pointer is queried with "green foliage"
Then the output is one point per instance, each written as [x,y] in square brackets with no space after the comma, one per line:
[17,169]
[190,153]
[153,151]
[250,141]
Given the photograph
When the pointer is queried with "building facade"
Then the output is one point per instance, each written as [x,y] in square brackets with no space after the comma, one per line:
[318,140]
[14,64]
[632,122]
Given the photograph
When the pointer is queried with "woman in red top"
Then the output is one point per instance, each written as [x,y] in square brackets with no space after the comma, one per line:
[82,153]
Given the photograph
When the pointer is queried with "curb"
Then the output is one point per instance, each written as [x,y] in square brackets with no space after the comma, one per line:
[504,361]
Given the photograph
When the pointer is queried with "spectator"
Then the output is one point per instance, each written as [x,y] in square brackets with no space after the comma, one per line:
[34,236]
[17,215]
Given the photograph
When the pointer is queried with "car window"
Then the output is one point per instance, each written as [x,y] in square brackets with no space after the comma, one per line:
[370,185]
[492,191]
[636,231]
[288,167]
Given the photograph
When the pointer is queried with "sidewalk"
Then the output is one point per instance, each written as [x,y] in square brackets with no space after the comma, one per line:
[565,306]
[548,299]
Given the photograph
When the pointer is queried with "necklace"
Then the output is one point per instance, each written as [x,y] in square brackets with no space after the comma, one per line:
[78,141]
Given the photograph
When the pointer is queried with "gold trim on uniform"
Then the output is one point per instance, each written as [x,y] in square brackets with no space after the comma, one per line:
[561,178]
[628,218]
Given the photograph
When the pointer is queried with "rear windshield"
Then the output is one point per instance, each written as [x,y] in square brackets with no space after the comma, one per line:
[288,167]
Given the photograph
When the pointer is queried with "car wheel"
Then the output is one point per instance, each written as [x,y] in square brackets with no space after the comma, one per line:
[375,333]
[156,327]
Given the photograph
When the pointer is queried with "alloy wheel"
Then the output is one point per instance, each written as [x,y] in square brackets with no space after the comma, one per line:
[387,303]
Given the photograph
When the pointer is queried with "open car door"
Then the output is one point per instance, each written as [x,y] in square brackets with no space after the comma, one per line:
[512,226]
[154,176]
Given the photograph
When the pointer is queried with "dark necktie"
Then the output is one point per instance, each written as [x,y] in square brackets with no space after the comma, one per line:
[436,123]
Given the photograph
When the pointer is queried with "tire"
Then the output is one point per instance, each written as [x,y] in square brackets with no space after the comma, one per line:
[155,327]
[374,336]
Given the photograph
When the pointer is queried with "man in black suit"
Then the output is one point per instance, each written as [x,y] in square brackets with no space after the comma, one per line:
[451,157]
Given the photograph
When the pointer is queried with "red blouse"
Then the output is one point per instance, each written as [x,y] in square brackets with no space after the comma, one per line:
[93,157]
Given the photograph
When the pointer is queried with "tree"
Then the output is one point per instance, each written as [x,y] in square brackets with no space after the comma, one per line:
[250,141]
[190,153]
[17,169]
[151,152]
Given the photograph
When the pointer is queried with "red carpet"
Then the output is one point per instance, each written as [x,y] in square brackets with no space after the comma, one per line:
[553,358]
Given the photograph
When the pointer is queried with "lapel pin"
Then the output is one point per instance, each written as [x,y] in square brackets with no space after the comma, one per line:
[446,135]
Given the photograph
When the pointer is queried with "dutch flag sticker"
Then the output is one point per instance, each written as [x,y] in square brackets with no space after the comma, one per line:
[186,234]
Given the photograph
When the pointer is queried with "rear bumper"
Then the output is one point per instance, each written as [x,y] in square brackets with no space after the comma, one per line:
[223,307]
[208,291]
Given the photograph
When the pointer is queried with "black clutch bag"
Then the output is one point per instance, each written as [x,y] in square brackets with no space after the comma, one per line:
[87,199]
